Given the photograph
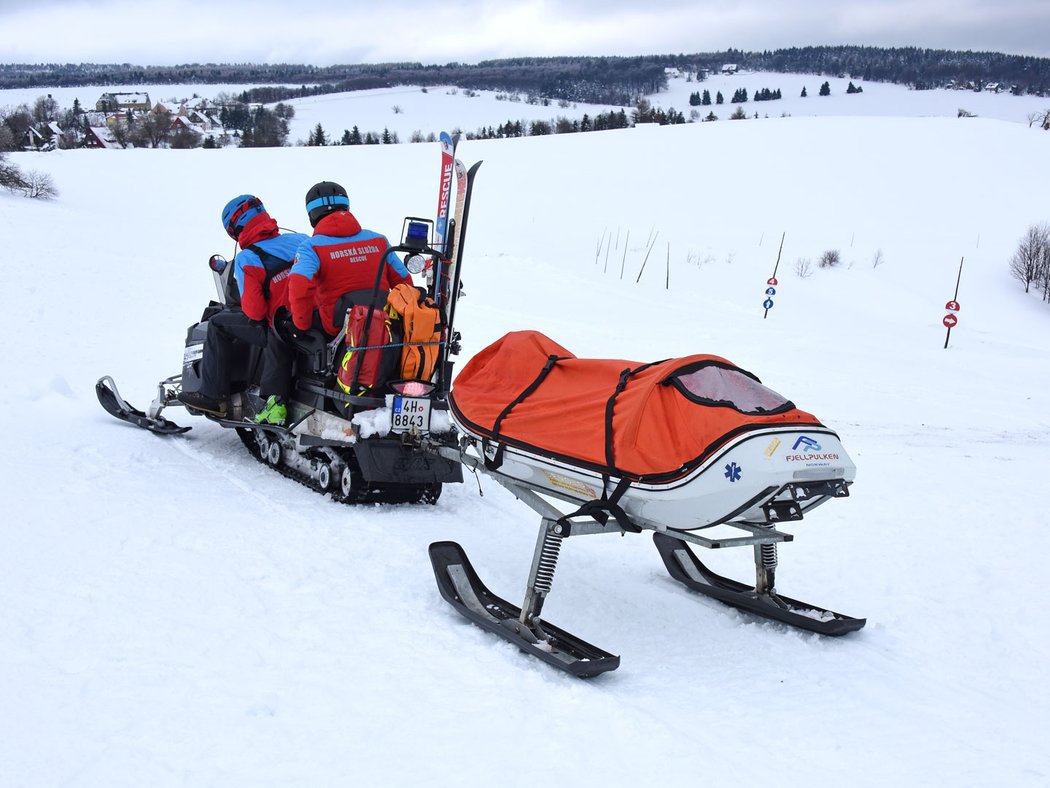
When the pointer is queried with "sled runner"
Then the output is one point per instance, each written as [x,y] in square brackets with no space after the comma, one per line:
[675,447]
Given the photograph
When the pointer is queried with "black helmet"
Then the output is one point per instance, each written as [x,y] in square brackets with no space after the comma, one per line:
[325,198]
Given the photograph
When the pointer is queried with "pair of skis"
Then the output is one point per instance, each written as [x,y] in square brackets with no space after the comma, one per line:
[448,239]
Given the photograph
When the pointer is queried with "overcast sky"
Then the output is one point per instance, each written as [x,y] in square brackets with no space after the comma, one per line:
[148,32]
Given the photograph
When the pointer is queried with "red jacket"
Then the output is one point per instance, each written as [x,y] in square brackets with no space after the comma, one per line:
[339,258]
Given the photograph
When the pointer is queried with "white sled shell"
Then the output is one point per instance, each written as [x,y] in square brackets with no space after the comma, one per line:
[761,477]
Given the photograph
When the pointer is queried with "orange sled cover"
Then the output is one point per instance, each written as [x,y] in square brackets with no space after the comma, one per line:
[651,423]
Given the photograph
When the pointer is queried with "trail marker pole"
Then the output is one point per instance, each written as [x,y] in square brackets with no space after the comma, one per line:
[951,319]
[772,281]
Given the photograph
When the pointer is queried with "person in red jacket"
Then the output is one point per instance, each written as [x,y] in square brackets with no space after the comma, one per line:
[261,269]
[339,258]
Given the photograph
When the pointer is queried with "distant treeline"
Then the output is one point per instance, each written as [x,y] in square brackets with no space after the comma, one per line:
[920,68]
[604,80]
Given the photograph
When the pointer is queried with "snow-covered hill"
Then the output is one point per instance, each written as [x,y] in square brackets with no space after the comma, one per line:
[407,111]
[176,614]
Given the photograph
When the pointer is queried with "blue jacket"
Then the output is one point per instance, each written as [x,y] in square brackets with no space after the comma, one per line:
[253,272]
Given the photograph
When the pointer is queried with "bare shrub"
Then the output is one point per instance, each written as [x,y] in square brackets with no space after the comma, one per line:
[183,138]
[877,259]
[32,184]
[693,258]
[39,186]
[11,177]
[803,268]
[830,258]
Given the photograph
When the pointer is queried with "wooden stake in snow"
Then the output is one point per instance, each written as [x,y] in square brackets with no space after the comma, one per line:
[639,278]
[624,261]
[667,279]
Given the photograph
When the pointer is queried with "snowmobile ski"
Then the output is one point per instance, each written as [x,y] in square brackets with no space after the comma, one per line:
[683,565]
[115,405]
[461,587]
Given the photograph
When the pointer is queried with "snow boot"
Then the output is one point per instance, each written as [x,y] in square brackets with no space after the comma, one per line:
[275,412]
[202,402]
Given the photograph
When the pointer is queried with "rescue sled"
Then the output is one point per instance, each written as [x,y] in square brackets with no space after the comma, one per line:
[676,447]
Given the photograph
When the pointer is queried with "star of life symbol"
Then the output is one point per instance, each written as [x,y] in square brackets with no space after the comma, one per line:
[733,472]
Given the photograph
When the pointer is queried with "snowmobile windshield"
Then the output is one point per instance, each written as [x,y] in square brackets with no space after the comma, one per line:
[716,385]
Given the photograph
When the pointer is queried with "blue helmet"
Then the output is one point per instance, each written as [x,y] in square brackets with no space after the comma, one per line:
[239,211]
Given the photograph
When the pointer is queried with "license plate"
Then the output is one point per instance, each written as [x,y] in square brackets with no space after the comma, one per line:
[410,414]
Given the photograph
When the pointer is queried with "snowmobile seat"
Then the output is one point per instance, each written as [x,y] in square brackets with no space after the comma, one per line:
[309,346]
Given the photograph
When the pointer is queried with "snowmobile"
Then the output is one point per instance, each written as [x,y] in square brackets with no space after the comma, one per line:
[388,443]
[676,447]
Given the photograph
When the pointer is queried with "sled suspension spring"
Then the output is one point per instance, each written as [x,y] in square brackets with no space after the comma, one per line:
[768,556]
[548,561]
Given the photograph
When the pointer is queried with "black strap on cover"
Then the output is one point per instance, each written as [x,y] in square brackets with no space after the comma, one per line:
[600,509]
[497,461]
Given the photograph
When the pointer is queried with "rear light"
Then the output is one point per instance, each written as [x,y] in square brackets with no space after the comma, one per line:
[412,388]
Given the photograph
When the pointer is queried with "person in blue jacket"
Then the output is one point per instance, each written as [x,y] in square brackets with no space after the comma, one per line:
[261,269]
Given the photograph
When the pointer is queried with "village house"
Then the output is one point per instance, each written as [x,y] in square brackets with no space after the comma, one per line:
[115,102]
[42,136]
[100,137]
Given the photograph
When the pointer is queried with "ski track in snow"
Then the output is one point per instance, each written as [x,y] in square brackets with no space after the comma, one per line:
[176,613]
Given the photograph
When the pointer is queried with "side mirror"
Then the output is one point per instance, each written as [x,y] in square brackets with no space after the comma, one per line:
[217,263]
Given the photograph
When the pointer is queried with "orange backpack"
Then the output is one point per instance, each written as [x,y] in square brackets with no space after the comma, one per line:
[422,324]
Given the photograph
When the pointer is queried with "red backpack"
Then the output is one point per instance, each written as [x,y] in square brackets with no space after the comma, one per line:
[371,353]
